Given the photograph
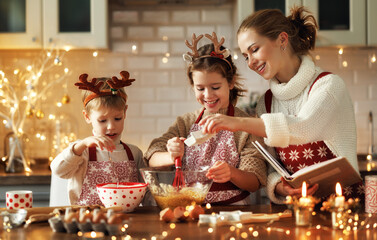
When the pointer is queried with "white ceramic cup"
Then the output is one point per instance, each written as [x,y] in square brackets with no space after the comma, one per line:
[19,199]
[371,193]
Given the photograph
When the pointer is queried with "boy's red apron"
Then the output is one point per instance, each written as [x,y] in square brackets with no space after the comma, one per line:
[221,147]
[296,157]
[103,172]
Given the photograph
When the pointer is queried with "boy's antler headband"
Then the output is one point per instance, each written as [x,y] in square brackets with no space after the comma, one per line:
[217,53]
[94,87]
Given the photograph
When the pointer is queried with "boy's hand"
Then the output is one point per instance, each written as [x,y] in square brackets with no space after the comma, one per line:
[103,142]
[176,147]
[220,172]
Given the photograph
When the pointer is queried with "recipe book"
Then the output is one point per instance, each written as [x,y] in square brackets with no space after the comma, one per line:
[326,174]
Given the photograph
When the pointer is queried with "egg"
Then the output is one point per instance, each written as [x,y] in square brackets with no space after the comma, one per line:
[181,214]
[70,215]
[98,215]
[167,215]
[195,211]
[85,215]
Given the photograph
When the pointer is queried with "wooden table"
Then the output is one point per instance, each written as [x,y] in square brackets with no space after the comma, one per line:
[145,223]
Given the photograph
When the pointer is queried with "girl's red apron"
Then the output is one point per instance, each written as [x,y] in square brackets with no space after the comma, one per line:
[221,147]
[103,172]
[296,157]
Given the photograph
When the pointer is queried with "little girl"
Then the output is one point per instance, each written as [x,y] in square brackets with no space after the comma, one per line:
[236,167]
[102,157]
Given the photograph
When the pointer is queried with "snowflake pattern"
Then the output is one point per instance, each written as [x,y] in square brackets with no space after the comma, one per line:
[322,151]
[293,155]
[105,172]
[304,155]
[282,156]
[308,153]
[221,147]
[361,189]
[348,190]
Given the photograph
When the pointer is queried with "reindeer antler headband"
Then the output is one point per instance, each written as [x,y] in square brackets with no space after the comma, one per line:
[217,53]
[95,87]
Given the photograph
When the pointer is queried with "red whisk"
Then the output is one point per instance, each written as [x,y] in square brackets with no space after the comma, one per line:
[179,180]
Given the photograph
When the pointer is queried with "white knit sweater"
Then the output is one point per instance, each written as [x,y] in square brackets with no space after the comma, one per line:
[296,118]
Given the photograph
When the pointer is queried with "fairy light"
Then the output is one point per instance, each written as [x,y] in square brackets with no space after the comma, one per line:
[345,64]
[208,206]
[164,233]
[269,229]
[244,235]
[66,70]
[287,232]
[29,68]
[167,54]
[235,56]
[255,234]
[317,57]
[165,38]
[340,51]
[172,225]
[48,54]
[232,228]
[59,104]
[308,233]
[251,229]
[165,60]
[210,230]
[373,58]
[134,49]
[67,48]
[95,54]
[16,71]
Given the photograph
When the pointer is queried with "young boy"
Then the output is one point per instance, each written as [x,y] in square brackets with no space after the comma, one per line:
[102,157]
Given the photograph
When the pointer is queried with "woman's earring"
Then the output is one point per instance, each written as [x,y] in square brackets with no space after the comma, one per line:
[282,47]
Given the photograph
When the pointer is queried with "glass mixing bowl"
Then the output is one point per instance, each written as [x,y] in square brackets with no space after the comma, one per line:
[160,183]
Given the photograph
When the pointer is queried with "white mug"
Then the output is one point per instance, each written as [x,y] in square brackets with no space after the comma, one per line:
[19,199]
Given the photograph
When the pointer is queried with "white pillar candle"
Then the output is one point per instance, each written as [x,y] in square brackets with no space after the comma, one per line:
[339,199]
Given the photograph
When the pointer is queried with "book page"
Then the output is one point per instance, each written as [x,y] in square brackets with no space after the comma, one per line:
[314,166]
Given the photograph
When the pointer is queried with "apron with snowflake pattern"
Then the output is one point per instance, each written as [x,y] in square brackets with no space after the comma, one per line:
[105,172]
[296,157]
[221,147]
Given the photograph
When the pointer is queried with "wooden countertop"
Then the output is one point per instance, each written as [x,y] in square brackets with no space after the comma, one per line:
[145,223]
[40,175]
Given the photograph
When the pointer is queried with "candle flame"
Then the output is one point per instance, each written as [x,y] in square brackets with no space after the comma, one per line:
[338,189]
[304,189]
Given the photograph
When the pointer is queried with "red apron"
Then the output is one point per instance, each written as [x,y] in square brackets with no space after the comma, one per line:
[296,157]
[105,172]
[221,147]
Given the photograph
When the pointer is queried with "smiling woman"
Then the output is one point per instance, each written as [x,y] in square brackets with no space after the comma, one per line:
[306,109]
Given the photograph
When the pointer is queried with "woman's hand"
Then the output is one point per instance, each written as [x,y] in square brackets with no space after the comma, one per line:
[215,123]
[220,172]
[284,189]
[176,147]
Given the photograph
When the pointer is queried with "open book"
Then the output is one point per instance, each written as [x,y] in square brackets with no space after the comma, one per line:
[326,174]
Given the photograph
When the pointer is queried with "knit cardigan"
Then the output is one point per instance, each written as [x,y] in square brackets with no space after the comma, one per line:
[298,117]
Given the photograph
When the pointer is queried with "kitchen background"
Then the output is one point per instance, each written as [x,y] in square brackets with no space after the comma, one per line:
[146,38]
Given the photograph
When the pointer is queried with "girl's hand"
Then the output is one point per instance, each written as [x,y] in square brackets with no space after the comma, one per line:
[220,172]
[215,123]
[176,147]
[103,142]
[283,188]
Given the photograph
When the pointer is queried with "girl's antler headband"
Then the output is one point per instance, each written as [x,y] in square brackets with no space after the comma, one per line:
[217,53]
[95,87]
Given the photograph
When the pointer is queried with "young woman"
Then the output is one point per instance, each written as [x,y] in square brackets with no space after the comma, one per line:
[236,167]
[307,115]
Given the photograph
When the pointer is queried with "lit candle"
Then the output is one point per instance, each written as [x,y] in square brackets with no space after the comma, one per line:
[339,199]
[93,235]
[304,200]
